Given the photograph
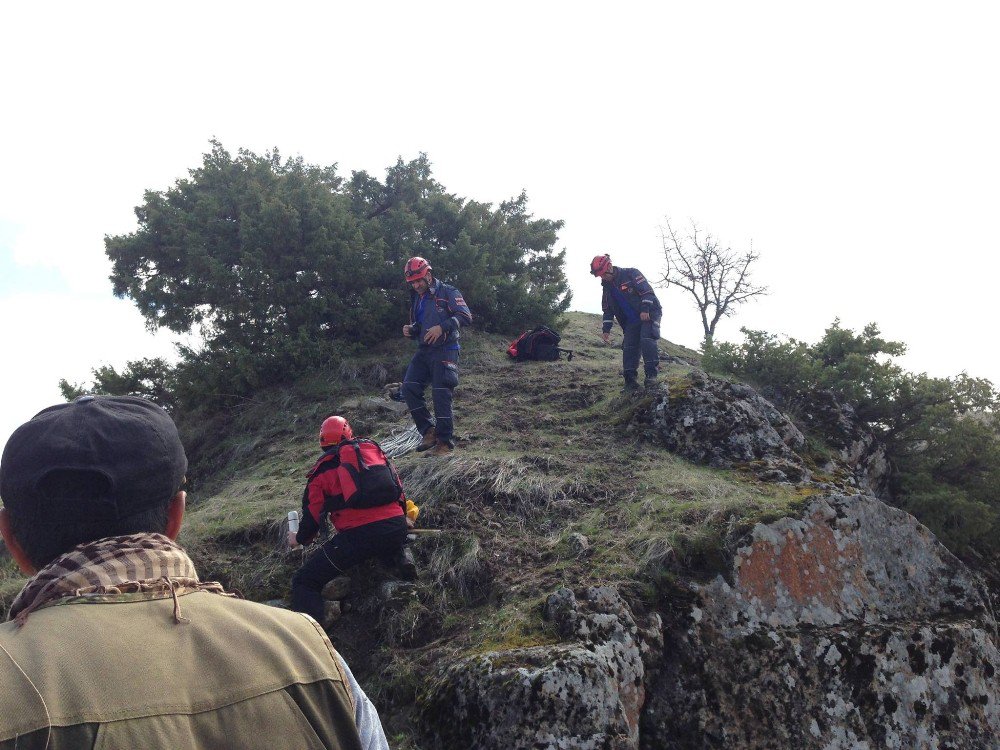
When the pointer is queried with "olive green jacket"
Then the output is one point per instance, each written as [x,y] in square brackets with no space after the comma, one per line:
[122,672]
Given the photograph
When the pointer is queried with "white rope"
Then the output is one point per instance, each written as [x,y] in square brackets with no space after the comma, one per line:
[401,442]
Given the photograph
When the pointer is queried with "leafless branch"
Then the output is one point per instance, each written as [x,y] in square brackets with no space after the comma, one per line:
[718,278]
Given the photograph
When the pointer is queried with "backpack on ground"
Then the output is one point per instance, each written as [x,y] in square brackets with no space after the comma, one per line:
[541,343]
[367,479]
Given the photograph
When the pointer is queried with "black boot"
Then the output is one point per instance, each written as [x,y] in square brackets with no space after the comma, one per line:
[406,565]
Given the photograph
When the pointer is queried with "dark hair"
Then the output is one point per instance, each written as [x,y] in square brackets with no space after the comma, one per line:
[46,530]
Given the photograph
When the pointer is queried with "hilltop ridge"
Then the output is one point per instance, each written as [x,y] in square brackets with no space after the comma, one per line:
[578,550]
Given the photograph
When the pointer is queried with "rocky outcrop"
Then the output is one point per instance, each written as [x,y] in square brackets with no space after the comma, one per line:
[723,424]
[850,627]
[841,430]
[713,421]
[583,694]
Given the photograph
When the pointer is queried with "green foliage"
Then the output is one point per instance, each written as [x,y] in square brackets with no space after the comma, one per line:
[763,358]
[153,378]
[247,249]
[951,481]
[940,433]
[502,259]
[270,259]
[252,248]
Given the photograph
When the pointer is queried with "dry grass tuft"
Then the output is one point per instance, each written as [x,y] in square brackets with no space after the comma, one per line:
[510,484]
[455,563]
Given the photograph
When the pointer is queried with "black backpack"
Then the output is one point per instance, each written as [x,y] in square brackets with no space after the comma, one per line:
[540,343]
[367,479]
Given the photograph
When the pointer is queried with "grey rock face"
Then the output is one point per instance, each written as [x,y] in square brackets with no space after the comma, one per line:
[713,421]
[840,428]
[579,543]
[337,589]
[852,627]
[585,694]
[847,559]
[724,424]
[331,613]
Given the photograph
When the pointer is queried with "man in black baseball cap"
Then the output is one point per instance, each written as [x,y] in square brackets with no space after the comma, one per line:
[92,505]
[96,467]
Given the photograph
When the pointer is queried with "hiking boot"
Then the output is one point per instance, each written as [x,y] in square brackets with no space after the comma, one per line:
[406,565]
[442,448]
[649,383]
[631,386]
[429,441]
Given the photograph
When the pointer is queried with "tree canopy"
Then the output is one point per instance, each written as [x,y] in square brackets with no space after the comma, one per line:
[252,249]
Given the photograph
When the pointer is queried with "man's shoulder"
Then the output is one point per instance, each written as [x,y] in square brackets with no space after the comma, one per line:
[292,645]
[242,652]
[22,709]
[633,275]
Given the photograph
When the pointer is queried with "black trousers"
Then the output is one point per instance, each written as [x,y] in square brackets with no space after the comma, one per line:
[381,539]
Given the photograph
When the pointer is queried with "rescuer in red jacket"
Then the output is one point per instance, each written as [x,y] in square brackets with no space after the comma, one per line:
[358,487]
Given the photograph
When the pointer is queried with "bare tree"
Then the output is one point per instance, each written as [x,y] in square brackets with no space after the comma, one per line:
[718,278]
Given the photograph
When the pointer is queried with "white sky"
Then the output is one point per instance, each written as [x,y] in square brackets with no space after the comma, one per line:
[854,143]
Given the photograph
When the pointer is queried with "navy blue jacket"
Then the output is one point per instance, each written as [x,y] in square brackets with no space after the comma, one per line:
[443,305]
[626,296]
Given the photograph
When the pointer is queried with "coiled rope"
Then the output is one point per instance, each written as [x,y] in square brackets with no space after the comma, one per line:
[401,442]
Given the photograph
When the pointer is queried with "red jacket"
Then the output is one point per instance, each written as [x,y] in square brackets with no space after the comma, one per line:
[324,493]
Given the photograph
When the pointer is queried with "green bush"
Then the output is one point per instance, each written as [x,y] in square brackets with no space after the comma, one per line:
[276,262]
[253,249]
[941,434]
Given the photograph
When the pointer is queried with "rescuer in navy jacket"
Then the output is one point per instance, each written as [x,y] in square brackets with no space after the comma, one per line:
[628,297]
[437,311]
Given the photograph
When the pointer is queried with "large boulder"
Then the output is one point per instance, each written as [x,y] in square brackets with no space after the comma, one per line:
[583,694]
[712,421]
[848,627]
[840,428]
[851,627]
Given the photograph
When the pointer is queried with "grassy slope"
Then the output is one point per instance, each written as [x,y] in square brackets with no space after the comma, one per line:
[543,453]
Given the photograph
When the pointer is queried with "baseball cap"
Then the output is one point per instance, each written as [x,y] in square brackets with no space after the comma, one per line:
[125,450]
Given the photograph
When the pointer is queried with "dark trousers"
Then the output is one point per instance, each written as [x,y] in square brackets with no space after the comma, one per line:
[641,336]
[381,539]
[439,367]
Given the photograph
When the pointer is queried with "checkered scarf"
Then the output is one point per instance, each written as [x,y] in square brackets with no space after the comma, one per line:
[114,565]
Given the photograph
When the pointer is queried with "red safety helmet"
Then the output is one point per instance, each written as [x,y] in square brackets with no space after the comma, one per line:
[600,264]
[416,269]
[334,430]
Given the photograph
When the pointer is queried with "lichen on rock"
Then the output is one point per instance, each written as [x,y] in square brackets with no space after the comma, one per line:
[584,694]
[849,627]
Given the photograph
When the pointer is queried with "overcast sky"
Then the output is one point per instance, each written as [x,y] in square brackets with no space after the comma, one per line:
[855,144]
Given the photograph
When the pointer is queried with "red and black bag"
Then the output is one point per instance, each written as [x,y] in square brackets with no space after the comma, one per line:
[366,477]
[541,343]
